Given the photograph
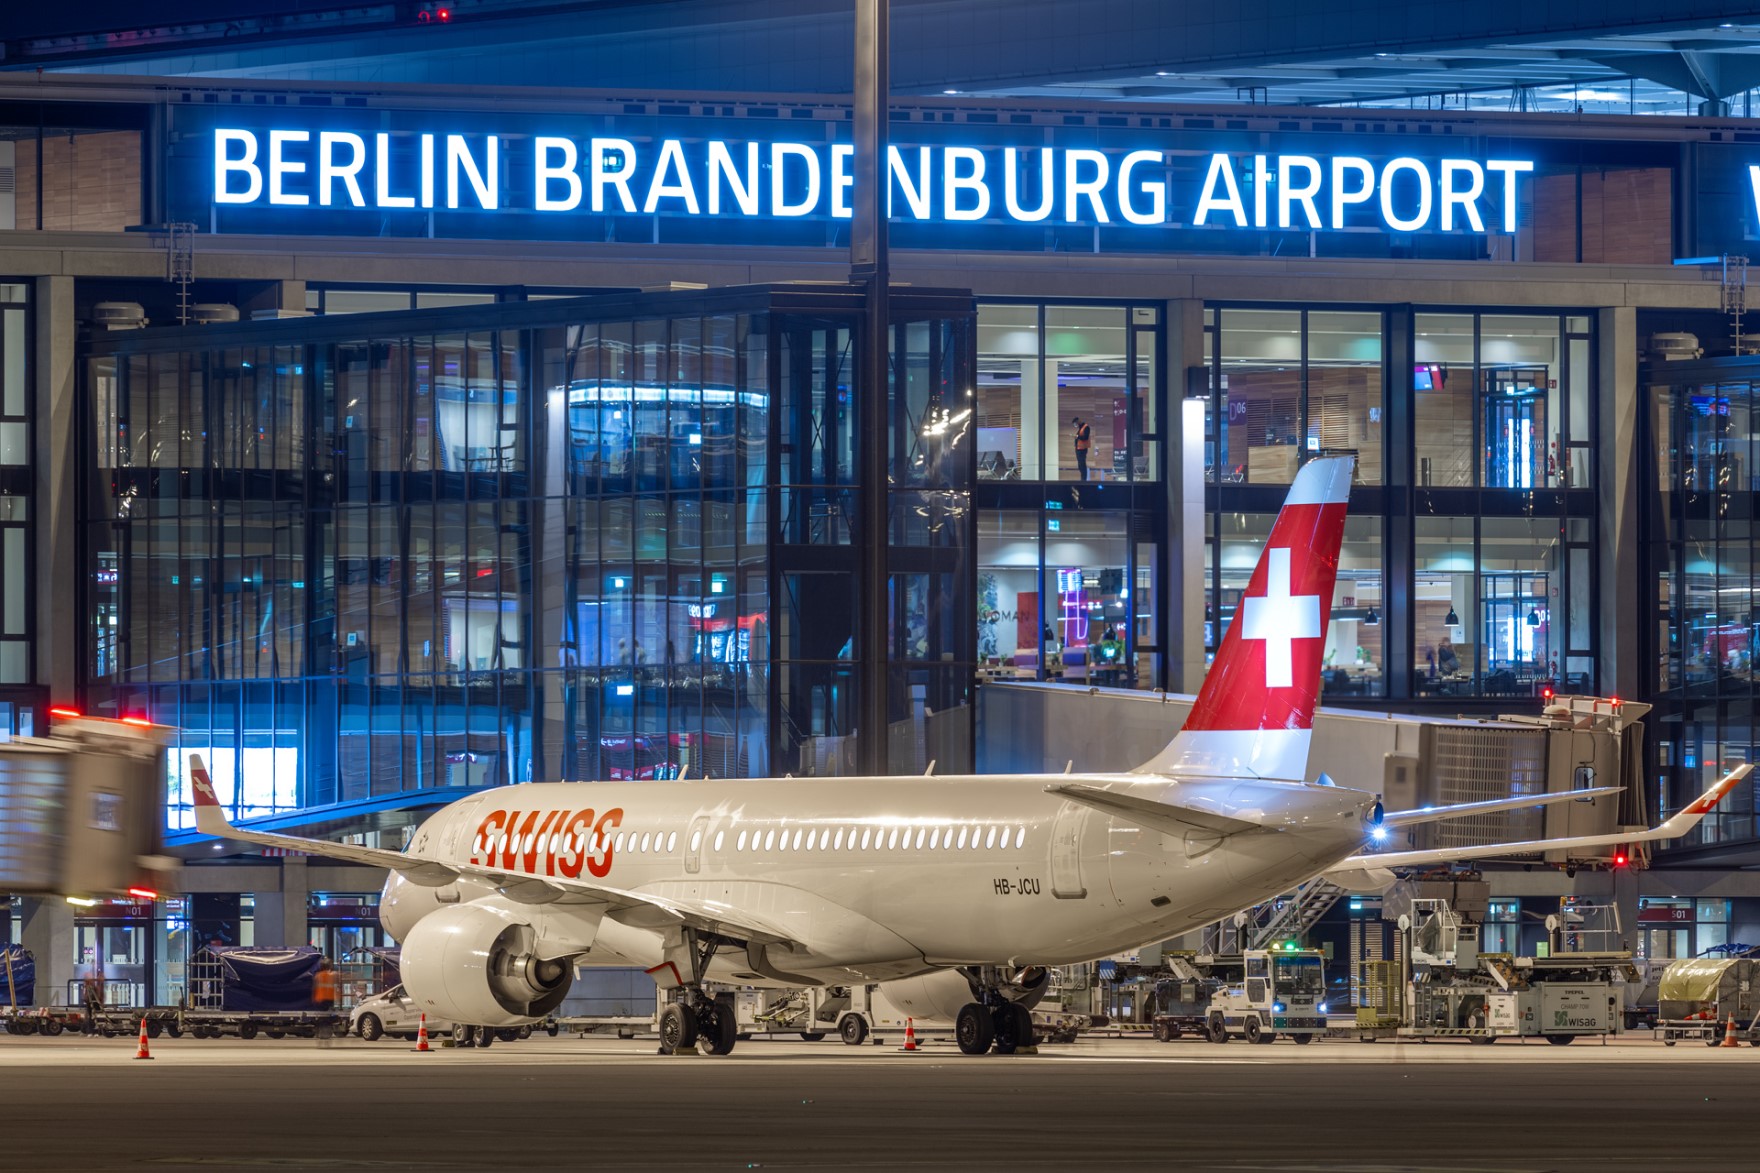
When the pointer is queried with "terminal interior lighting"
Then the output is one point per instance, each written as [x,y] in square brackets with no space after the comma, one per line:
[1533,617]
[1372,617]
[1451,619]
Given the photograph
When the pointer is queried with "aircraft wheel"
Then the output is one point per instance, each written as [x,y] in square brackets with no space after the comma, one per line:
[678,1027]
[1218,1029]
[853,1030]
[371,1028]
[464,1036]
[553,1030]
[485,1037]
[1014,1028]
[974,1029]
[720,1029]
[1304,1039]
[523,1033]
[1254,1032]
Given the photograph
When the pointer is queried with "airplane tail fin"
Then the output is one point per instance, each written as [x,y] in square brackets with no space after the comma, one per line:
[1254,715]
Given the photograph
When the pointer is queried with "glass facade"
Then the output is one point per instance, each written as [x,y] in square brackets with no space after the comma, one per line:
[498,544]
[1700,546]
[1071,504]
[1475,552]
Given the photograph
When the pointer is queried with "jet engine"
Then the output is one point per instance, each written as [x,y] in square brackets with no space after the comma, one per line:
[477,963]
[940,995]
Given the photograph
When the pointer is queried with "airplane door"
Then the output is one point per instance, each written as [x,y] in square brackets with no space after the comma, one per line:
[693,844]
[1066,852]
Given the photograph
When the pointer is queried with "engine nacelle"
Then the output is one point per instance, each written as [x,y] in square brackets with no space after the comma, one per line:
[940,995]
[477,964]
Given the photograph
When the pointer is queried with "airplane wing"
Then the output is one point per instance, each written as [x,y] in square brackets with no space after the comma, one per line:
[516,886]
[1172,820]
[1461,810]
[1674,828]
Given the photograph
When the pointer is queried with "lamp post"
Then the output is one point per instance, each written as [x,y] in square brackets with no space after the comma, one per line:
[869,269]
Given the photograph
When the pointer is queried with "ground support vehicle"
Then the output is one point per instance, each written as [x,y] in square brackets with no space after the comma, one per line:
[1698,996]
[1265,993]
[1182,1005]
[1444,988]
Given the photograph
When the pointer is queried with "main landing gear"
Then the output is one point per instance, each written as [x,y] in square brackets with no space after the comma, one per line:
[693,1017]
[994,1020]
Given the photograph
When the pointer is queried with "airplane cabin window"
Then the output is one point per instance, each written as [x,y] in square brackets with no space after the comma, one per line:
[865,834]
[990,838]
[672,842]
[719,836]
[1020,834]
[797,841]
[740,843]
[921,833]
[892,838]
[769,840]
[839,844]
[811,835]
[646,836]
[935,838]
[962,838]
[617,844]
[696,840]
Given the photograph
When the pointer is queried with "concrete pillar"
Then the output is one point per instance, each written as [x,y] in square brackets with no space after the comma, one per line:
[1182,588]
[1032,435]
[280,918]
[1622,595]
[49,935]
[57,535]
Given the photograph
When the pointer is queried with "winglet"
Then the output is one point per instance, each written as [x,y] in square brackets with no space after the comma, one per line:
[210,815]
[1702,806]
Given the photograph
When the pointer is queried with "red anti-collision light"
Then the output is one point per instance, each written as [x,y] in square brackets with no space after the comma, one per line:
[141,721]
[65,712]
[143,893]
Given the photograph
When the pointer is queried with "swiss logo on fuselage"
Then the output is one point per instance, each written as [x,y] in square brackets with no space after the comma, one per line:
[547,843]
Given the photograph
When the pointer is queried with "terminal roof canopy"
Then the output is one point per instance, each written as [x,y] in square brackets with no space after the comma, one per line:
[1540,54]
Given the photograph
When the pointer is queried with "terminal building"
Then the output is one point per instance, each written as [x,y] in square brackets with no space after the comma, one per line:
[463,426]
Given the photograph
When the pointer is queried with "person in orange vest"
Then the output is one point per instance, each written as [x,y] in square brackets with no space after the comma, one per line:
[1084,440]
[324,998]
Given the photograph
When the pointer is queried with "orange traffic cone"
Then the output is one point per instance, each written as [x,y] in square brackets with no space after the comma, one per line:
[141,1051]
[422,1035]
[1729,1033]
[910,1035]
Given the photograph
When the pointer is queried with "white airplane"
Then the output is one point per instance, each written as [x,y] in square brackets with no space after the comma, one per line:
[982,880]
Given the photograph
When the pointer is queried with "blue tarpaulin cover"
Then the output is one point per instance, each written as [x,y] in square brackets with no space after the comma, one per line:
[23,991]
[262,978]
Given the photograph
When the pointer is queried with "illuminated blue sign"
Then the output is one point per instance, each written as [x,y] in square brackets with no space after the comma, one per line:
[781,180]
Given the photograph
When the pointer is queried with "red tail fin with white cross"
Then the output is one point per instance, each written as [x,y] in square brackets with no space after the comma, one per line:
[1255,713]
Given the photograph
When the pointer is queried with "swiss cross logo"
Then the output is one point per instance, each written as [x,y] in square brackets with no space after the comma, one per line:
[204,787]
[1280,618]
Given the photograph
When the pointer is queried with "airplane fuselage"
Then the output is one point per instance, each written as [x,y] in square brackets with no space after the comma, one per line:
[878,878]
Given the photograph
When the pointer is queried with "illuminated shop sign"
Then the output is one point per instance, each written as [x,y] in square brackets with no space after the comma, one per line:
[729,180]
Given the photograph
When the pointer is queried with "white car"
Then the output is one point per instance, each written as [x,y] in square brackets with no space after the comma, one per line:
[392,1014]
